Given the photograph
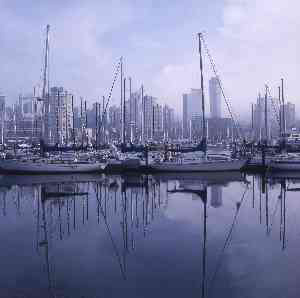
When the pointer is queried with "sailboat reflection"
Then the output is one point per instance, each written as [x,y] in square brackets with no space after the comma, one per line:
[198,185]
[44,243]
[134,199]
[126,208]
[284,180]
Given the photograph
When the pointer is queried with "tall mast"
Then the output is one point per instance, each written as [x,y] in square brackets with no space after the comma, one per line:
[280,112]
[73,121]
[81,122]
[266,115]
[103,118]
[143,116]
[66,120]
[153,118]
[130,111]
[45,74]
[121,103]
[283,109]
[96,136]
[252,120]
[202,93]
[85,123]
[45,86]
[123,113]
[130,106]
[58,119]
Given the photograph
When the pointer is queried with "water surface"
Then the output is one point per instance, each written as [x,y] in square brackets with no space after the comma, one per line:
[149,236]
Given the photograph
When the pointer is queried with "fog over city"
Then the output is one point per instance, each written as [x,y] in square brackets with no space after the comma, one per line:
[252,42]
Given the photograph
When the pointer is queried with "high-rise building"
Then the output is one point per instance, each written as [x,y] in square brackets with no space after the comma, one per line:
[134,120]
[59,116]
[214,98]
[29,117]
[261,117]
[157,122]
[290,115]
[220,129]
[168,123]
[147,112]
[114,123]
[191,108]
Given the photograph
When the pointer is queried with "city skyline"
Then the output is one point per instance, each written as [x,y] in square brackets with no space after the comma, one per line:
[84,50]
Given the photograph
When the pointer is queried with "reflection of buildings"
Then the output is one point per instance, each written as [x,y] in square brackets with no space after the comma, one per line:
[216,196]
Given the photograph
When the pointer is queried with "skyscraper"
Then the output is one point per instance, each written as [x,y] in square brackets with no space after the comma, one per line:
[191,108]
[168,123]
[214,98]
[60,116]
[259,118]
[147,110]
[290,115]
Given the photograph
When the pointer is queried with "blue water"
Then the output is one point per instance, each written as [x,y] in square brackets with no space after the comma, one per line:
[146,236]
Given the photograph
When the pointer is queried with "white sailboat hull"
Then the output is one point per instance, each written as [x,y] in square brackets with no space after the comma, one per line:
[40,167]
[203,166]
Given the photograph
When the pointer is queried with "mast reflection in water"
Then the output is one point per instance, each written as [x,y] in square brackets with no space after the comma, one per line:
[187,235]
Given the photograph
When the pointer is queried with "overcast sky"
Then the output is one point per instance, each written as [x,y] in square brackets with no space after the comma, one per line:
[253,42]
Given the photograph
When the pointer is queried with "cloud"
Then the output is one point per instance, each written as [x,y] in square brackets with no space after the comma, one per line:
[252,42]
[260,44]
[256,43]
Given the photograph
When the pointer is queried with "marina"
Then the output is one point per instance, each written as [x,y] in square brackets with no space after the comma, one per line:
[149,149]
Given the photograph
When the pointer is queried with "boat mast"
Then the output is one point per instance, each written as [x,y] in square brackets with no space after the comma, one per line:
[96,136]
[58,132]
[143,117]
[266,115]
[85,123]
[66,116]
[283,112]
[121,103]
[45,85]
[46,62]
[202,94]
[103,119]
[280,112]
[73,122]
[81,122]
[124,112]
[130,112]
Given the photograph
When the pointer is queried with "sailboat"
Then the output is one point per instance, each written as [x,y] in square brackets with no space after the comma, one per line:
[35,165]
[195,162]
[46,166]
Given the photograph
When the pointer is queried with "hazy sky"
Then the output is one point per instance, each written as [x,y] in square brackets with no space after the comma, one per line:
[253,42]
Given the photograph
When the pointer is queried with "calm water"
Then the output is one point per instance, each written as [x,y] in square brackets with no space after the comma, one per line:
[148,236]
